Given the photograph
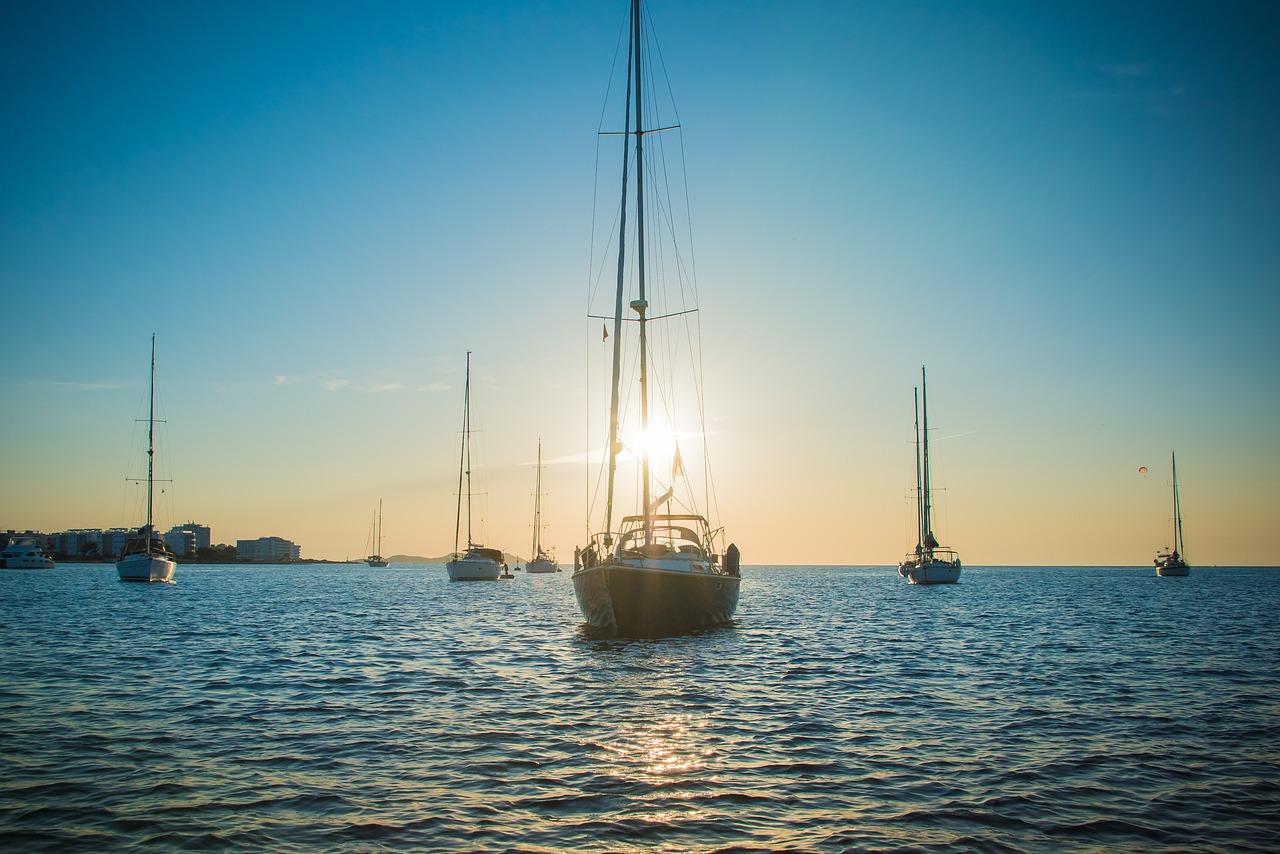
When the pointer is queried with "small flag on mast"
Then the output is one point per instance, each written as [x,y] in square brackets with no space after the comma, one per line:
[677,465]
[606,332]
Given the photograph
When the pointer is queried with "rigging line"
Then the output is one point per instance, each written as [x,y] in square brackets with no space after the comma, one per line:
[699,373]
[675,109]
[613,70]
[598,277]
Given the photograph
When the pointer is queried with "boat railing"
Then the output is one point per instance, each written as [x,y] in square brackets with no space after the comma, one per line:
[622,544]
[939,553]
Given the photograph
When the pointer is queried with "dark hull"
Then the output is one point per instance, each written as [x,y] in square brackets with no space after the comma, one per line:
[637,602]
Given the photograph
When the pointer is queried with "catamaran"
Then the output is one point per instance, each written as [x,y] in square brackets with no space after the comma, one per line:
[540,560]
[146,557]
[930,563]
[477,563]
[376,559]
[655,572]
[1173,561]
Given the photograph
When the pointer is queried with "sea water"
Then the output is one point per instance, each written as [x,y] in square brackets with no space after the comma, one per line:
[312,708]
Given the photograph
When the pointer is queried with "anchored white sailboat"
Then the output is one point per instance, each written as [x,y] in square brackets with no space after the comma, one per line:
[477,563]
[657,572]
[376,559]
[1173,561]
[539,561]
[146,557]
[930,563]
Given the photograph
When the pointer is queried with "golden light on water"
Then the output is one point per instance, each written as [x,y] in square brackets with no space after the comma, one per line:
[653,752]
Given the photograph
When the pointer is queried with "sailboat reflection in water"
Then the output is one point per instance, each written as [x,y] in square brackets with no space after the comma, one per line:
[658,571]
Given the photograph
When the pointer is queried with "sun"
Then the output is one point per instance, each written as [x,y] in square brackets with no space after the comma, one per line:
[658,440]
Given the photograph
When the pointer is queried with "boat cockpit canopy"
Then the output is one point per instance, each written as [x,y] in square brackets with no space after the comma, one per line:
[677,533]
[480,552]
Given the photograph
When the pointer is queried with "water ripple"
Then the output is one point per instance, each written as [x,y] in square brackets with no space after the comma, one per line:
[304,708]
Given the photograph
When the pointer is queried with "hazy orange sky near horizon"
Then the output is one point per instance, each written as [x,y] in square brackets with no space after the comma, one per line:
[1068,213]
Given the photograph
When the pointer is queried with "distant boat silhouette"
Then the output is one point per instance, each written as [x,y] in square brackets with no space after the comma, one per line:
[477,563]
[930,563]
[1173,562]
[540,560]
[376,559]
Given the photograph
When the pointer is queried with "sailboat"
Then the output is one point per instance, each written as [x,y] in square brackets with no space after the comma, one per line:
[930,563]
[146,557]
[655,573]
[477,563]
[539,561]
[1173,561]
[376,559]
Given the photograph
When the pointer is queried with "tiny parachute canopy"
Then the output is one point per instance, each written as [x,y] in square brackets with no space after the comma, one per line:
[1142,470]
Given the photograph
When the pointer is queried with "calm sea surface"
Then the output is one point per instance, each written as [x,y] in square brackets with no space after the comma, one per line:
[318,708]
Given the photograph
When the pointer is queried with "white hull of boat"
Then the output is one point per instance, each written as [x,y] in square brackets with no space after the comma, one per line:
[934,573]
[1173,571]
[42,562]
[473,570]
[146,568]
[536,566]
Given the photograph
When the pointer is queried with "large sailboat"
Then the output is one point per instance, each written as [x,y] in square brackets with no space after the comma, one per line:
[654,573]
[146,557]
[539,560]
[1173,561]
[930,563]
[376,559]
[477,563]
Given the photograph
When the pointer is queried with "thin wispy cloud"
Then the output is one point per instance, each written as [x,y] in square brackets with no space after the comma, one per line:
[334,383]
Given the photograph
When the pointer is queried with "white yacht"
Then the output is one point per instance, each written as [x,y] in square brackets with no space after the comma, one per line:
[541,562]
[476,563]
[930,563]
[24,553]
[146,558]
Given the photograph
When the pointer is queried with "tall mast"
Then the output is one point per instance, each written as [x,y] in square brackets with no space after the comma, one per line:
[641,304]
[537,506]
[926,521]
[462,462]
[466,440]
[617,308]
[151,450]
[1177,507]
[919,495]
[379,551]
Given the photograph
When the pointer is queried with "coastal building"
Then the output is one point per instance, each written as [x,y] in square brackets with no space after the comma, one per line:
[267,550]
[111,541]
[78,542]
[202,533]
[181,542]
[188,538]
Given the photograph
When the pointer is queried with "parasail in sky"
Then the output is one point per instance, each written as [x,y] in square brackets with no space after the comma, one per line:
[1142,470]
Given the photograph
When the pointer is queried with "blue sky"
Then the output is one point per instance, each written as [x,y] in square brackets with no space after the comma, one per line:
[1070,212]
